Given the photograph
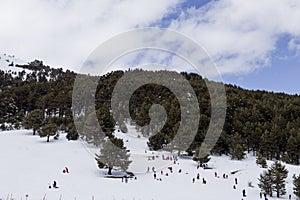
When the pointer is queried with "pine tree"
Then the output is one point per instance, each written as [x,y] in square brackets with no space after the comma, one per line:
[113,154]
[92,132]
[203,156]
[34,120]
[48,130]
[293,150]
[260,160]
[268,146]
[236,147]
[296,188]
[279,174]
[266,182]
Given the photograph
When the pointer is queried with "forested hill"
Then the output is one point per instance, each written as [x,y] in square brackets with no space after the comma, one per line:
[263,122]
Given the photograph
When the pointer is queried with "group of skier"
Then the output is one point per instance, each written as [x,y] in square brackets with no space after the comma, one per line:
[54,184]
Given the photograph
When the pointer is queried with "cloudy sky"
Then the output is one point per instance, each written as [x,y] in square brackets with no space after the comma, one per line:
[254,43]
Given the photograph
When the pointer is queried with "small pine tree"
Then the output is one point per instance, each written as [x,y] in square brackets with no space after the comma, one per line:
[296,188]
[260,160]
[265,182]
[201,156]
[34,120]
[113,154]
[48,130]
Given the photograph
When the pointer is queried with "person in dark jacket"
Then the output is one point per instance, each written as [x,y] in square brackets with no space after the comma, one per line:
[55,184]
[244,193]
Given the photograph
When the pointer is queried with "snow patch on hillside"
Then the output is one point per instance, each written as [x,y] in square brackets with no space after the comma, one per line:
[8,64]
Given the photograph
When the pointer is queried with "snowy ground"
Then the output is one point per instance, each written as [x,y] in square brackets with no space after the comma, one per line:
[29,164]
[6,60]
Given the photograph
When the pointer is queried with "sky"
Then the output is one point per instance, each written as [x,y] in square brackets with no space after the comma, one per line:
[255,44]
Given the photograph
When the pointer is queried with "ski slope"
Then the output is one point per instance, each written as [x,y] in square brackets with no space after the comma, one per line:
[29,164]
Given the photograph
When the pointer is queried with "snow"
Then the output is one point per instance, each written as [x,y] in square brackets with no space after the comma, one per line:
[6,60]
[29,164]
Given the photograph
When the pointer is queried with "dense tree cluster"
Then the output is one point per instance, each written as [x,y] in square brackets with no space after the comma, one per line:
[29,97]
[261,122]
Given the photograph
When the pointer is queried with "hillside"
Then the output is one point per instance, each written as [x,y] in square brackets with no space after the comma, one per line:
[256,121]
[30,164]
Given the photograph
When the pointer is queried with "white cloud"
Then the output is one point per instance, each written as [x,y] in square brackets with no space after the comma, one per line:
[294,44]
[241,35]
[64,32]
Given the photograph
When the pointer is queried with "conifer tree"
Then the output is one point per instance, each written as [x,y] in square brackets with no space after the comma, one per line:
[279,174]
[113,154]
[236,147]
[260,160]
[34,120]
[201,156]
[48,130]
[266,182]
[296,188]
[293,150]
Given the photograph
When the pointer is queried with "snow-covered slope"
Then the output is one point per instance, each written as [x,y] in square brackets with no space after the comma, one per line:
[29,164]
[8,64]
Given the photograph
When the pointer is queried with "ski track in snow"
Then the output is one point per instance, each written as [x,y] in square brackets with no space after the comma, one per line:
[29,164]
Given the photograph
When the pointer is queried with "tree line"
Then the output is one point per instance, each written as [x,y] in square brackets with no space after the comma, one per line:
[261,122]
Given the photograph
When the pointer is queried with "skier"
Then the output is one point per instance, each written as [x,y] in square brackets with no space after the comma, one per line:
[290,197]
[148,169]
[154,175]
[198,176]
[260,195]
[54,184]
[203,181]
[66,170]
[236,182]
[193,180]
[244,193]
[153,169]
[126,180]
[234,187]
[216,174]
[179,171]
